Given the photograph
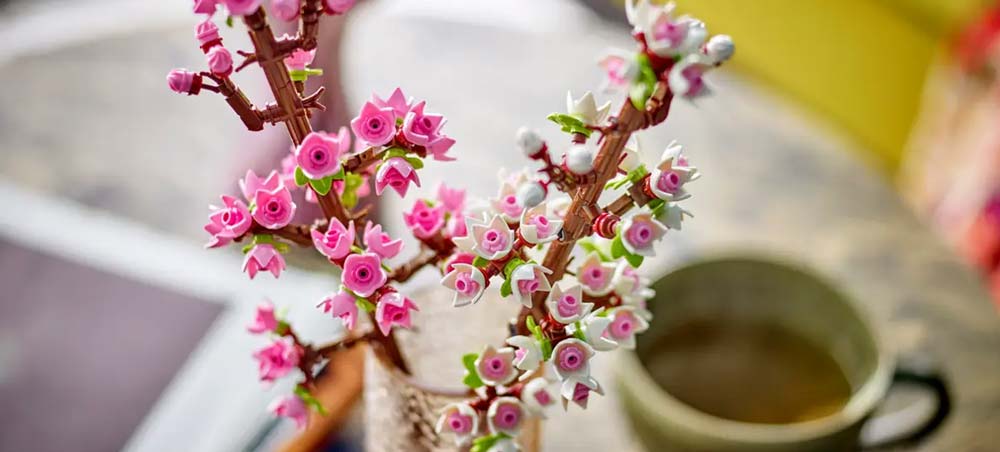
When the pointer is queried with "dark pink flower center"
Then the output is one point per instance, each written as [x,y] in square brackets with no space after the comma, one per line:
[571,358]
[507,417]
[669,182]
[375,125]
[568,305]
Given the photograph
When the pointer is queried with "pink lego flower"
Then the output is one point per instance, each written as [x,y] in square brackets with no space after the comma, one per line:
[263,257]
[490,241]
[251,183]
[639,232]
[277,360]
[439,149]
[467,281]
[286,10]
[343,306]
[496,366]
[456,227]
[393,310]
[338,6]
[396,173]
[336,242]
[380,243]
[422,129]
[452,199]
[526,279]
[242,7]
[300,59]
[686,78]
[397,101]
[265,321]
[506,203]
[273,209]
[505,416]
[460,420]
[363,274]
[220,61]
[374,125]
[183,81]
[292,407]
[228,222]
[205,6]
[566,305]
[423,220]
[619,70]
[319,154]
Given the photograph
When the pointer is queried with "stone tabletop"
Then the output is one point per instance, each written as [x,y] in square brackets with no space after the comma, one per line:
[94,123]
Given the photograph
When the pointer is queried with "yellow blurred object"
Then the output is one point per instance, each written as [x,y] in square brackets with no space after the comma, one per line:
[859,63]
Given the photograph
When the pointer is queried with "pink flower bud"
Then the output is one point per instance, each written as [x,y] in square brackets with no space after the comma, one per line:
[292,407]
[397,101]
[452,199]
[205,6]
[422,129]
[300,59]
[336,242]
[184,82]
[380,243]
[263,257]
[396,173]
[207,34]
[242,7]
[363,274]
[277,360]
[338,6]
[423,220]
[220,61]
[265,321]
[286,10]
[228,222]
[393,310]
[343,306]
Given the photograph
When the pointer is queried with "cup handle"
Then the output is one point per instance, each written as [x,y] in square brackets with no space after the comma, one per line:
[916,421]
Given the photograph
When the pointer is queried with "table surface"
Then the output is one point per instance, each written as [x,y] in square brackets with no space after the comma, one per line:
[109,135]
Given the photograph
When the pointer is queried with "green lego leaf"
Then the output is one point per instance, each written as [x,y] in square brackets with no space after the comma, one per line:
[570,124]
[300,177]
[322,186]
[309,400]
[471,379]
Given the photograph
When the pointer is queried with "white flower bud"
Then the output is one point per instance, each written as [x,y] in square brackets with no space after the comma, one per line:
[530,194]
[720,48]
[580,159]
[529,142]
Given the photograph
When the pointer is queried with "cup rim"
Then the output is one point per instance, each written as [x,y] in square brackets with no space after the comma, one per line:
[633,378]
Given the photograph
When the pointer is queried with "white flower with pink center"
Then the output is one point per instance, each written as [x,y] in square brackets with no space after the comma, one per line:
[595,275]
[528,354]
[539,395]
[619,69]
[571,358]
[468,283]
[506,203]
[687,77]
[490,241]
[640,232]
[505,415]
[526,279]
[665,35]
[668,178]
[496,366]
[565,304]
[593,327]
[537,226]
[459,419]
[577,390]
[630,286]
[625,324]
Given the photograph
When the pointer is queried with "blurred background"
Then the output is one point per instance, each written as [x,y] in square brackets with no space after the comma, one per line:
[860,137]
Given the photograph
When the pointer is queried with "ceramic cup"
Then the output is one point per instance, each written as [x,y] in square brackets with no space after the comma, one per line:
[767,291]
